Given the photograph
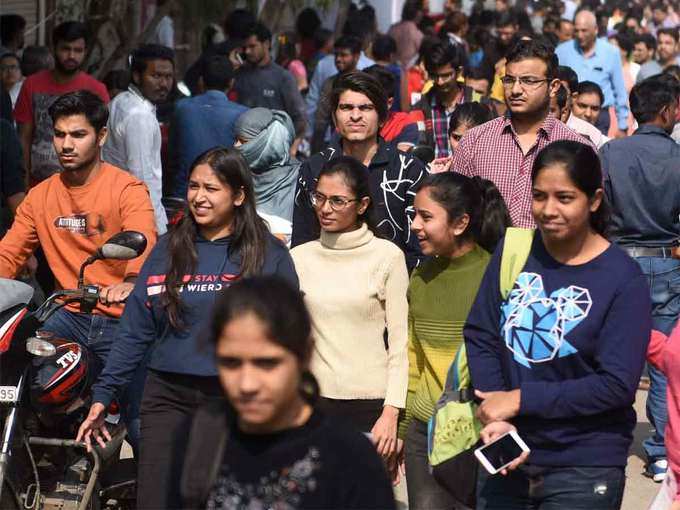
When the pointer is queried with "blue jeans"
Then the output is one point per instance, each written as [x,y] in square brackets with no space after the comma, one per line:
[98,333]
[552,488]
[663,276]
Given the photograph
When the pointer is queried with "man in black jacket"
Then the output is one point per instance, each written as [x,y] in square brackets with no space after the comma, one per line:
[359,107]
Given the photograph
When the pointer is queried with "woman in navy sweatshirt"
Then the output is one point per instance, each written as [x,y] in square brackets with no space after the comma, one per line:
[560,359]
[219,239]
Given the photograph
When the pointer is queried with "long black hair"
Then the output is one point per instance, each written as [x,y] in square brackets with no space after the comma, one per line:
[583,167]
[355,176]
[249,232]
[281,309]
[474,196]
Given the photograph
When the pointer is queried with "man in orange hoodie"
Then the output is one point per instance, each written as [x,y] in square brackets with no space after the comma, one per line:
[72,213]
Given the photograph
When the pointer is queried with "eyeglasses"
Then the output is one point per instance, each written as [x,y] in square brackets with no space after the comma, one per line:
[524,81]
[9,67]
[337,203]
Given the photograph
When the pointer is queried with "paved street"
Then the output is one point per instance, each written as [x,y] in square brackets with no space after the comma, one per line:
[640,491]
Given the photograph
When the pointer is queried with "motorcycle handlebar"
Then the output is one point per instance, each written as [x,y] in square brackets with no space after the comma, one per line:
[88,296]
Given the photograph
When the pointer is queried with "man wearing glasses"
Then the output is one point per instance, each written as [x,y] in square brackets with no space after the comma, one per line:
[359,107]
[444,63]
[503,150]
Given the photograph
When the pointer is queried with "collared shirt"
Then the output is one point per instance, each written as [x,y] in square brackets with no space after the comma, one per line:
[642,183]
[200,123]
[602,67]
[586,129]
[134,144]
[492,151]
[440,125]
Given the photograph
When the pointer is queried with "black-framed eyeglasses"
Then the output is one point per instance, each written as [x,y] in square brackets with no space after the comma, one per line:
[524,81]
[337,203]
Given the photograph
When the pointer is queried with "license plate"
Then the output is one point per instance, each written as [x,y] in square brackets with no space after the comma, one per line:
[8,393]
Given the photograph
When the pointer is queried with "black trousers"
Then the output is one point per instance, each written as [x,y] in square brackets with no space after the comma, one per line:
[603,121]
[168,406]
[361,415]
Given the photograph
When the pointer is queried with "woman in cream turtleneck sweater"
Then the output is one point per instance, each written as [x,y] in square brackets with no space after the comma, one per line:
[355,287]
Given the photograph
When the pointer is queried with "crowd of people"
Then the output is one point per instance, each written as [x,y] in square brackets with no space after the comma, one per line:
[329,222]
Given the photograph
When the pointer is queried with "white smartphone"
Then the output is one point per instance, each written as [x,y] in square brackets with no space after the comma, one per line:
[500,453]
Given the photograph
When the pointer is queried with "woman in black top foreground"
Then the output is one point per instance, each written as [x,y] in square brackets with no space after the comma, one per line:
[267,447]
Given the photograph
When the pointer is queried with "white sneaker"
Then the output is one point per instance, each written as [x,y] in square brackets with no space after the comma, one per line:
[657,470]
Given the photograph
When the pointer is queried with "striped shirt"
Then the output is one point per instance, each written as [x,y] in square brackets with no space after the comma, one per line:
[493,152]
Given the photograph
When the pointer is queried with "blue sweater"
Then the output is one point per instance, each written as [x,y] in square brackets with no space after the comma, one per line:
[573,340]
[144,324]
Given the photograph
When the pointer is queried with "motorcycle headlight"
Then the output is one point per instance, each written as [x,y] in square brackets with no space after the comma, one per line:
[40,347]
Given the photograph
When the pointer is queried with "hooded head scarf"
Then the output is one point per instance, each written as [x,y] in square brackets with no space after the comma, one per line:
[268,135]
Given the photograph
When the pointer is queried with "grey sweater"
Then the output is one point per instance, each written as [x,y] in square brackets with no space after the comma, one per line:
[272,87]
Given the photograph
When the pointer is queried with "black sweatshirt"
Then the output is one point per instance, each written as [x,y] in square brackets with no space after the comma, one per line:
[317,465]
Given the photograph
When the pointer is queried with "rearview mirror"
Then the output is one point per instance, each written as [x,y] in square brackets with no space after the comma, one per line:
[424,153]
[124,245]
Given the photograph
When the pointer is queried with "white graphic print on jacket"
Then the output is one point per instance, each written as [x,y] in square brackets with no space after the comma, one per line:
[535,326]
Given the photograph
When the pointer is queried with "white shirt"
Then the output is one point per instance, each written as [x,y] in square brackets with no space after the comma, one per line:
[14,92]
[134,144]
[586,129]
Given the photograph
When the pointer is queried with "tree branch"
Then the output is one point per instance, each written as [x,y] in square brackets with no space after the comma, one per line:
[124,49]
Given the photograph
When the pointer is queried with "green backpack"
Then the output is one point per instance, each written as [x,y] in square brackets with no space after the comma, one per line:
[453,428]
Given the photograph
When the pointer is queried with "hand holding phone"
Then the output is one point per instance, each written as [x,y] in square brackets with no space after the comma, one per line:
[503,449]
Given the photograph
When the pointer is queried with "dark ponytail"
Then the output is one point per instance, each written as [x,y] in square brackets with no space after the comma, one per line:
[476,197]
[494,216]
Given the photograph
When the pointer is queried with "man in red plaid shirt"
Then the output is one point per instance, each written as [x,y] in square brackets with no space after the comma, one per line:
[443,63]
[503,150]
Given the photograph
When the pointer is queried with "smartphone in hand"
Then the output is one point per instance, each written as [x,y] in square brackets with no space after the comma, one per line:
[500,453]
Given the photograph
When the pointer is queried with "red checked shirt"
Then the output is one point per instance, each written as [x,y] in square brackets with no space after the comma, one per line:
[492,152]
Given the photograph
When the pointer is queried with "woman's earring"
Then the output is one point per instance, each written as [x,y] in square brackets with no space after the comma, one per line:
[309,387]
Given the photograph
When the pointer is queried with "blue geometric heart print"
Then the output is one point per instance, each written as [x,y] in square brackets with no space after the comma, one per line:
[535,326]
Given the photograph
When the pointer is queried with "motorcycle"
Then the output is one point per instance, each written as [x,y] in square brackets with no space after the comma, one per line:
[45,395]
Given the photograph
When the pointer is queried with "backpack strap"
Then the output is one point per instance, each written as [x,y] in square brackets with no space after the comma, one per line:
[516,248]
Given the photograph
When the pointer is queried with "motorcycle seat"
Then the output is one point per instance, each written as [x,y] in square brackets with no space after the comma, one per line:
[13,293]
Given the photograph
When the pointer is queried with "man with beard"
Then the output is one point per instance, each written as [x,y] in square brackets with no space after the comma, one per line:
[40,90]
[667,50]
[444,62]
[504,149]
[134,135]
[262,82]
[347,50]
[72,213]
